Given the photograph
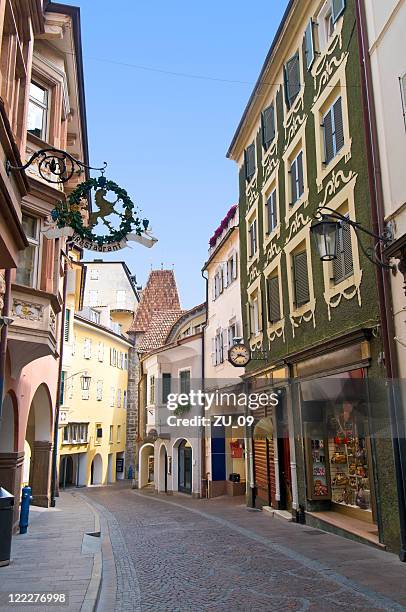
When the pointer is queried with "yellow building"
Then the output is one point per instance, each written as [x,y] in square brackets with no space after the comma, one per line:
[93,395]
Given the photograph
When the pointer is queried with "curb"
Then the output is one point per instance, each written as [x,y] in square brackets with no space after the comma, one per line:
[93,590]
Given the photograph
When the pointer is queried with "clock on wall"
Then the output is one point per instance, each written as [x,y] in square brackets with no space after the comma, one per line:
[239,355]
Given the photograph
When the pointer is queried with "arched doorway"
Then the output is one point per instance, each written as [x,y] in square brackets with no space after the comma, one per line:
[163,470]
[8,428]
[11,461]
[185,467]
[96,470]
[39,437]
[146,473]
[66,471]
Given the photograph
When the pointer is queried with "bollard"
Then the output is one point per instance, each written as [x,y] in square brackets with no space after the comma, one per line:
[25,509]
[130,472]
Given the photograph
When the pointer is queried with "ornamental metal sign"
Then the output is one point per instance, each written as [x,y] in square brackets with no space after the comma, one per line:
[109,225]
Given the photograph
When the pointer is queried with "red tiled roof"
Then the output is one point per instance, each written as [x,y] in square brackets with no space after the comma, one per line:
[159,327]
[159,296]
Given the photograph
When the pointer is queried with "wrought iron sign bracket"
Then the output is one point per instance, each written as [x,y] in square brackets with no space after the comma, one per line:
[56,162]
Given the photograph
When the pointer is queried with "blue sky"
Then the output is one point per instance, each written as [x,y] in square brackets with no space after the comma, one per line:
[165,136]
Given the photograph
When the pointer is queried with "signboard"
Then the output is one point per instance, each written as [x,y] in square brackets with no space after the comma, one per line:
[119,465]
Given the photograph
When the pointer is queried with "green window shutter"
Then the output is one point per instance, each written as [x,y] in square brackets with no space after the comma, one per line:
[309,45]
[300,279]
[248,316]
[300,173]
[338,124]
[328,137]
[166,386]
[67,324]
[268,126]
[338,8]
[274,311]
[250,161]
[293,181]
[292,79]
[347,251]
[343,265]
[185,381]
[272,213]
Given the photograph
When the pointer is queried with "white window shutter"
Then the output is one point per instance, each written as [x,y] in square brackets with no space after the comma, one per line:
[224,275]
[235,264]
[213,351]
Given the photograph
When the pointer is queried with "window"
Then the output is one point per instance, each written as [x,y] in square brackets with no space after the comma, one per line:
[166,386]
[112,396]
[63,388]
[118,433]
[99,433]
[85,394]
[254,314]
[292,79]
[111,434]
[67,324]
[333,131]
[231,334]
[337,9]
[231,268]
[37,111]
[272,213]
[274,307]
[125,361]
[300,278]
[252,235]
[100,352]
[28,261]
[308,45]
[113,357]
[218,347]
[184,376]
[343,266]
[93,297]
[94,274]
[268,126]
[118,398]
[249,157]
[87,348]
[99,390]
[66,434]
[125,400]
[218,283]
[296,178]
[152,389]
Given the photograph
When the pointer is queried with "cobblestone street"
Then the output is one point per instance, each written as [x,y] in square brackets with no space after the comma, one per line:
[177,554]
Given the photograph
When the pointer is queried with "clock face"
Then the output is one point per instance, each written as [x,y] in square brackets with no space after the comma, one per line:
[239,355]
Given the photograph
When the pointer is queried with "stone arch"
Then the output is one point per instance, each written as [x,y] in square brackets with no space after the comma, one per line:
[9,424]
[182,472]
[39,437]
[162,469]
[96,470]
[144,462]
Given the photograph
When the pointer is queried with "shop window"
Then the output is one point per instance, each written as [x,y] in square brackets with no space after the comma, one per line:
[300,278]
[333,128]
[271,212]
[268,126]
[274,307]
[26,273]
[37,121]
[292,79]
[249,162]
[343,266]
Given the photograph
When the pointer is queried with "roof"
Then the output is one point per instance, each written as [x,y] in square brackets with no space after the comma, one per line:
[126,269]
[184,317]
[254,94]
[159,296]
[159,327]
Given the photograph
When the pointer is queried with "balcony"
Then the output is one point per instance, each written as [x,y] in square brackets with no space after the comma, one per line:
[33,333]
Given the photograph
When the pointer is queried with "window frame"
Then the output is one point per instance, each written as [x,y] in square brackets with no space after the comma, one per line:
[44,106]
[267,144]
[35,243]
[331,112]
[251,147]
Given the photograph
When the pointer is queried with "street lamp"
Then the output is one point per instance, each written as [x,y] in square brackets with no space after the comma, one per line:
[325,229]
[85,381]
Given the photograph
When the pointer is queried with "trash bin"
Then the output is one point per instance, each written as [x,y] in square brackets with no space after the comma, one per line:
[6,525]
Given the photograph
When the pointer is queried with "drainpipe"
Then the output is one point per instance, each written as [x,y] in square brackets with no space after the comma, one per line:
[58,389]
[384,290]
[3,340]
[202,428]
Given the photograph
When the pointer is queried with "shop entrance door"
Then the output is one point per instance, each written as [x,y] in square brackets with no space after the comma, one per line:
[185,467]
[285,474]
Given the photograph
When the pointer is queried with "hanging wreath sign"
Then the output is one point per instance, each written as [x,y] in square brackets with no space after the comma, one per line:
[108,226]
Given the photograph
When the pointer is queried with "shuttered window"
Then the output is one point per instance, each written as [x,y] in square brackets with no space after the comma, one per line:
[166,386]
[296,178]
[62,389]
[268,126]
[333,131]
[343,266]
[292,79]
[272,213]
[300,279]
[99,390]
[250,162]
[308,45]
[337,8]
[67,324]
[274,309]
[253,237]
[185,381]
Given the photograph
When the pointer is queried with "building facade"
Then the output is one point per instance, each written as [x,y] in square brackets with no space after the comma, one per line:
[312,328]
[225,446]
[42,105]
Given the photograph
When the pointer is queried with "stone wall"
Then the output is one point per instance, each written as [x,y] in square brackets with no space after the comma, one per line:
[132,410]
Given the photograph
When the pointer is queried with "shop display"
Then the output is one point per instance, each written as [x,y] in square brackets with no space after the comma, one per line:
[318,469]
